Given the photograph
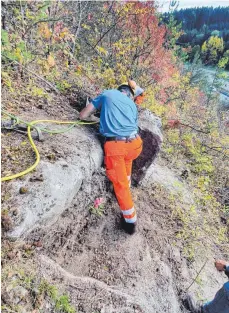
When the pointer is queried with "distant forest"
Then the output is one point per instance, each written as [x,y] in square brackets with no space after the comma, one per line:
[206,30]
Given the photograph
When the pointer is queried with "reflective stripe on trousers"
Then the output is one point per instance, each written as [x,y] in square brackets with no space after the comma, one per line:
[119,156]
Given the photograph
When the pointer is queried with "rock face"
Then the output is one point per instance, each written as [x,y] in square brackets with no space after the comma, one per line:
[81,155]
[169,180]
[150,131]
[47,199]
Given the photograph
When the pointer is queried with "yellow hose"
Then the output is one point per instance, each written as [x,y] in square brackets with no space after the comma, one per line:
[29,169]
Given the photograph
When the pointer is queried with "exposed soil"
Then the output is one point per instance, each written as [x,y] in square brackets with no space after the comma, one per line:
[128,267]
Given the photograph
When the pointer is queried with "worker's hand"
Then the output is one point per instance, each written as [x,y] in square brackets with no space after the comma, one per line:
[87,111]
[94,118]
[220,265]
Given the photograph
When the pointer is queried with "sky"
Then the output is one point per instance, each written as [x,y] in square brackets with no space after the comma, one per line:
[164,4]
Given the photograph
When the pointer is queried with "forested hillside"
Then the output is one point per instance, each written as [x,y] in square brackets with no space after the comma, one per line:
[205,29]
[55,55]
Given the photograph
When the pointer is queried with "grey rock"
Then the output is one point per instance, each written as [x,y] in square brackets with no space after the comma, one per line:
[150,131]
[165,177]
[150,122]
[62,180]
[18,294]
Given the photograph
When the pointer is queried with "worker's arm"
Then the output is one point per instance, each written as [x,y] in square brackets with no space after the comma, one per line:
[222,265]
[87,111]
[95,104]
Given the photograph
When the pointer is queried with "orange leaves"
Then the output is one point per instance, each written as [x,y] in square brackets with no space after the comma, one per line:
[56,38]
[46,64]
[44,31]
[51,61]
[64,32]
[59,33]
[79,69]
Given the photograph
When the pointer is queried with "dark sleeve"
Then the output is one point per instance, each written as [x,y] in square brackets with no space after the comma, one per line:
[97,102]
[227,270]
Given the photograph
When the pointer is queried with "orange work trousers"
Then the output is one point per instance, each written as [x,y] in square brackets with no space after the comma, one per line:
[119,156]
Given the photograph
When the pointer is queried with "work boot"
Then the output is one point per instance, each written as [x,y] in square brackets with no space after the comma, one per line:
[129,228]
[192,305]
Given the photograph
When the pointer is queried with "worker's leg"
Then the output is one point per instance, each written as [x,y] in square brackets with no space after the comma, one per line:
[220,304]
[116,172]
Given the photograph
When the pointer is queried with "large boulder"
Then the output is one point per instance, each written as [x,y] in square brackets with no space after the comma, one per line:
[46,200]
[150,131]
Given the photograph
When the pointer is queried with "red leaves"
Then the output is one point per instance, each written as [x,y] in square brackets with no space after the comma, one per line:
[173,124]
[58,28]
[141,23]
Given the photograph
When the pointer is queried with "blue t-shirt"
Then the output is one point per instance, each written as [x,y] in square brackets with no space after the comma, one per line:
[119,115]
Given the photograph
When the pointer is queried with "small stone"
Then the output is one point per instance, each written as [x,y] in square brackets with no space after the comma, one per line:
[7,223]
[51,157]
[27,247]
[10,274]
[40,178]
[6,299]
[23,190]
[39,301]
[15,212]
[63,163]
[37,243]
[37,178]
[11,255]
[19,293]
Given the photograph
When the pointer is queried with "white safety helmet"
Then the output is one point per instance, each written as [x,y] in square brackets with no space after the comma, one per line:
[138,91]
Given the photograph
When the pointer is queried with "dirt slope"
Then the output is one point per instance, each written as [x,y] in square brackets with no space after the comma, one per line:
[106,270]
[95,251]
[103,269]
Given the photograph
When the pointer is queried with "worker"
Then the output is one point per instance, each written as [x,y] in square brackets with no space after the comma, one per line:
[119,126]
[220,304]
